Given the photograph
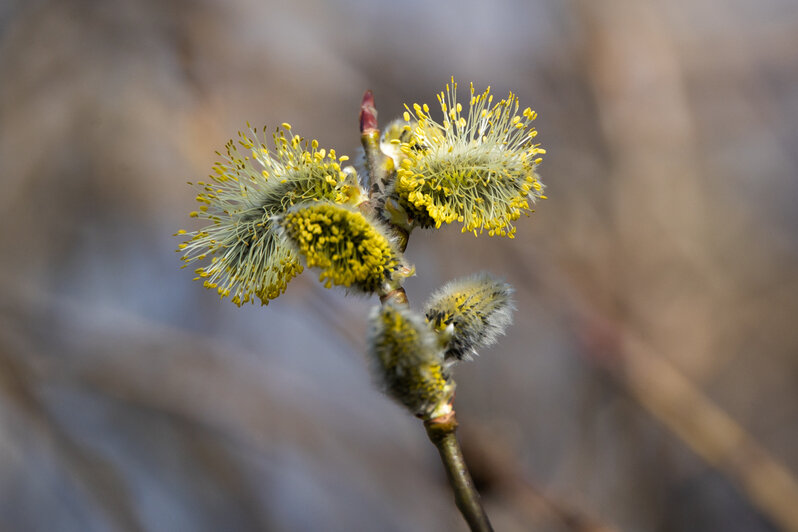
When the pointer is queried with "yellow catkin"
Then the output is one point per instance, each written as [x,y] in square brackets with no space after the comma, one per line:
[250,186]
[470,313]
[478,169]
[408,362]
[349,249]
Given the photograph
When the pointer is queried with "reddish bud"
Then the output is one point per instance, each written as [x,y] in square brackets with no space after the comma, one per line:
[368,113]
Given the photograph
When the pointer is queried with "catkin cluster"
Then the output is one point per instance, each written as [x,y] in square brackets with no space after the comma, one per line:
[270,211]
[412,355]
[476,166]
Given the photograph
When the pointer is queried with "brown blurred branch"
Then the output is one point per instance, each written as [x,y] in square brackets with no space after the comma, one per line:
[495,466]
[649,133]
[676,402]
[671,398]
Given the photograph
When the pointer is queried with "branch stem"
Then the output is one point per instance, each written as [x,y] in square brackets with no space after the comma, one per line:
[441,432]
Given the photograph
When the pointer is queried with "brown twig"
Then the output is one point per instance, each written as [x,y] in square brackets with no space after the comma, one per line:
[441,432]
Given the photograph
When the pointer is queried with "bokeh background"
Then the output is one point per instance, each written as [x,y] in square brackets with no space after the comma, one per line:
[649,382]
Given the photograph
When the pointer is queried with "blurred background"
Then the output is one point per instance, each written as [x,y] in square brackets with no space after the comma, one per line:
[649,383]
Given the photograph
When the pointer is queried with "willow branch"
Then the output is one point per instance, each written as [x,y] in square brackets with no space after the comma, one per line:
[441,430]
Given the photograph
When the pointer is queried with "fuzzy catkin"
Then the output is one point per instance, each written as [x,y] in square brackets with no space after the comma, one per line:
[349,249]
[470,313]
[408,362]
[477,168]
[246,190]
